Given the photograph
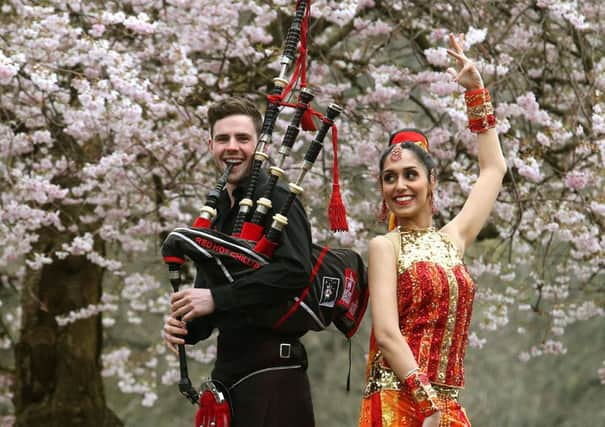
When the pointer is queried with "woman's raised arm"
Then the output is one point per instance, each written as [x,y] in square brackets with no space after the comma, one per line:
[465,226]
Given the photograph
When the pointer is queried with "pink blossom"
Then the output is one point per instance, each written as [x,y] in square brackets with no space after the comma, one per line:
[97,30]
[529,168]
[84,313]
[474,36]
[598,118]
[566,10]
[532,109]
[437,36]
[427,76]
[543,139]
[598,208]
[437,56]
[554,347]
[39,261]
[567,216]
[149,399]
[507,110]
[258,35]
[475,342]
[113,18]
[576,180]
[80,245]
[7,69]
[439,136]
[444,88]
[377,28]
[364,4]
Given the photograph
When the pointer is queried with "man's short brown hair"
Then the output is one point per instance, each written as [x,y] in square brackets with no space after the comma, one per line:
[232,106]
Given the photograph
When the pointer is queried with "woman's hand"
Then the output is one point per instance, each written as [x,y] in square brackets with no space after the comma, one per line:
[432,421]
[466,73]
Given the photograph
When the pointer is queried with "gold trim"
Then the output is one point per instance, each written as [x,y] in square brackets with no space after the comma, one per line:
[446,392]
[426,245]
[450,326]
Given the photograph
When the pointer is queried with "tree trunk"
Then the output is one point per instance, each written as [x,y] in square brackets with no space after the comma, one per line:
[58,368]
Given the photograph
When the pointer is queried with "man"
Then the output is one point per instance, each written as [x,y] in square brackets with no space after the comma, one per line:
[263,370]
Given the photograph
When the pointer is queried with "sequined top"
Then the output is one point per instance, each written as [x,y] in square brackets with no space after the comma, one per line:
[434,298]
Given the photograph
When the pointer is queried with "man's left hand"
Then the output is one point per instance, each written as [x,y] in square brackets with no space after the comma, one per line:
[191,303]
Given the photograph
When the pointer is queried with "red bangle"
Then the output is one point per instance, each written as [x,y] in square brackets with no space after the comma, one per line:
[483,124]
[423,393]
[479,109]
[477,96]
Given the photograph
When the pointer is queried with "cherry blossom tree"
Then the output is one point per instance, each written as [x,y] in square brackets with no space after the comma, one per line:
[102,141]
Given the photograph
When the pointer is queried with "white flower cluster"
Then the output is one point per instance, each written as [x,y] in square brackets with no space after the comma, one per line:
[475,342]
[8,69]
[38,262]
[549,347]
[6,387]
[567,10]
[85,313]
[203,356]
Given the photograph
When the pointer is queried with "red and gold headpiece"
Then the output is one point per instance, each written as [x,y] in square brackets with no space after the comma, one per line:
[410,135]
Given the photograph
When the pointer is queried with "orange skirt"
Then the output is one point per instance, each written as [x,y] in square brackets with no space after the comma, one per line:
[392,408]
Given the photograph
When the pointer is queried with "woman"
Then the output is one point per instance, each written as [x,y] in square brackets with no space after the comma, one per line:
[421,293]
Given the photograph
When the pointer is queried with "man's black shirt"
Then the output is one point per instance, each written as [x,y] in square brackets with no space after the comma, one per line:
[284,277]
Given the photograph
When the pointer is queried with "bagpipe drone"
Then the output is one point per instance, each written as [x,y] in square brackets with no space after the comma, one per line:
[338,275]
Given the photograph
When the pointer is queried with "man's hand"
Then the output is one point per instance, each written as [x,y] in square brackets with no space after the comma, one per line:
[191,303]
[174,331]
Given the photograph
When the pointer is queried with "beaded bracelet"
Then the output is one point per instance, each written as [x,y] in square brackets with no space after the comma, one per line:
[423,393]
[479,109]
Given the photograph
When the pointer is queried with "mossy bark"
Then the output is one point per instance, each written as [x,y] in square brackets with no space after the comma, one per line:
[58,368]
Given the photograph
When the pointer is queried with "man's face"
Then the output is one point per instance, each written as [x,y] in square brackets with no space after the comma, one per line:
[234,141]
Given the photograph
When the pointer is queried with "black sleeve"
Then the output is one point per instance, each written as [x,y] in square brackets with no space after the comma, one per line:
[200,328]
[287,273]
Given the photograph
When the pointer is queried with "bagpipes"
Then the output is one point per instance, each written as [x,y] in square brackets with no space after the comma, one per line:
[337,291]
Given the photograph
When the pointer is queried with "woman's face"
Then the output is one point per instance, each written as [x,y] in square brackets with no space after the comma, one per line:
[405,184]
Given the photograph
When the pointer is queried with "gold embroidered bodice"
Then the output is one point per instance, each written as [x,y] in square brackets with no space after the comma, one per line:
[434,299]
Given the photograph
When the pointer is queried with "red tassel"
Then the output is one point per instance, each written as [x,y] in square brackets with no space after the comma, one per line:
[307,121]
[337,214]
[212,413]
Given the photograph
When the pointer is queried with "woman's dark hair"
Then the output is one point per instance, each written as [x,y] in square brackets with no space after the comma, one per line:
[425,158]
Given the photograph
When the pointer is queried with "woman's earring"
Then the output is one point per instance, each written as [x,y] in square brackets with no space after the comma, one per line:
[431,194]
[384,211]
[432,203]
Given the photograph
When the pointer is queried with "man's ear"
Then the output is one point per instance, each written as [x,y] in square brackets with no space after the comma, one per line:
[209,144]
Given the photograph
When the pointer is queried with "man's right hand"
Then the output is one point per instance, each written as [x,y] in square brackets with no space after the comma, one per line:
[174,331]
